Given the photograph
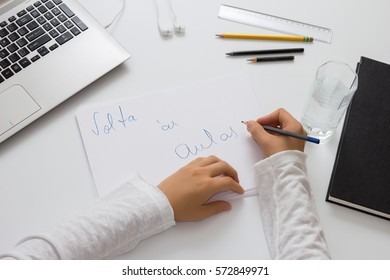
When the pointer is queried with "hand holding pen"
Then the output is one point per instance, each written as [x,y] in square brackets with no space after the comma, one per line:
[273,143]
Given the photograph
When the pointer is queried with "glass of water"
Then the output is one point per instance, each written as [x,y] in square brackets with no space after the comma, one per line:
[333,88]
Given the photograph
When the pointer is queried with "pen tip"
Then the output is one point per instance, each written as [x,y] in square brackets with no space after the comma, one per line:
[218,35]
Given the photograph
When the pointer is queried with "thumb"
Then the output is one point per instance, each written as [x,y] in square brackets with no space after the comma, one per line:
[257,131]
[214,208]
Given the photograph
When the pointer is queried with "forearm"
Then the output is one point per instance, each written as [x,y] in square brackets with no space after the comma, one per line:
[110,227]
[291,223]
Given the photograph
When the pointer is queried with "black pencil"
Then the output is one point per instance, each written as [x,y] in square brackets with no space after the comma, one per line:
[271,51]
[271,59]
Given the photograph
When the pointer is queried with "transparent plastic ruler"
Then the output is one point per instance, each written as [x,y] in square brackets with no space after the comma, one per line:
[275,23]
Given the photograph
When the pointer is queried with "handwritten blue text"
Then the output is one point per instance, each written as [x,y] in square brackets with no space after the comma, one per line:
[167,126]
[107,123]
[185,150]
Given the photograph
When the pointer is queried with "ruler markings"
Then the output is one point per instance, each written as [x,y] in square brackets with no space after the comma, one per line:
[275,23]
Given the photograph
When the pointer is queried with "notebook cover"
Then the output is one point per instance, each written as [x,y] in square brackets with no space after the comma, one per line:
[361,173]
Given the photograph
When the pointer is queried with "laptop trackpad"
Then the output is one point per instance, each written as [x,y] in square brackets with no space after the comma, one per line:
[15,106]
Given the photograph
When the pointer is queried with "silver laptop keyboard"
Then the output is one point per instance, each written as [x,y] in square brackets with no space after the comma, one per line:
[35,32]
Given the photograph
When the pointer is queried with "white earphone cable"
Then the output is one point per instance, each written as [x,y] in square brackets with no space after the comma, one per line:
[168,31]
[173,12]
[165,32]
[117,16]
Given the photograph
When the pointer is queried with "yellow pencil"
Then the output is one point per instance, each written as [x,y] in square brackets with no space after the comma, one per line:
[266,37]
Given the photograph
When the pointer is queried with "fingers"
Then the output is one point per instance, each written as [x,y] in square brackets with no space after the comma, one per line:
[190,188]
[221,184]
[279,118]
[276,118]
[283,119]
[215,167]
[271,143]
[204,161]
[222,168]
[223,176]
[257,131]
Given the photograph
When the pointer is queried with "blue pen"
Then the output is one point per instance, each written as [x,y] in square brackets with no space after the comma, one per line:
[291,134]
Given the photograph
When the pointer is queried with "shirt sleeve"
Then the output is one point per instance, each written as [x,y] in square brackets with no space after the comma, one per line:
[291,223]
[113,225]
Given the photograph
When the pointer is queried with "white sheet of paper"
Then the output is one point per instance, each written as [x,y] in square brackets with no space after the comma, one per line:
[156,134]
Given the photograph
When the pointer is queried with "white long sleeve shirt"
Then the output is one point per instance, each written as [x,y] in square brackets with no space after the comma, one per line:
[290,220]
[113,225]
[136,210]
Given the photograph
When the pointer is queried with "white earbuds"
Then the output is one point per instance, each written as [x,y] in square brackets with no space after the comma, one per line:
[166,31]
[181,29]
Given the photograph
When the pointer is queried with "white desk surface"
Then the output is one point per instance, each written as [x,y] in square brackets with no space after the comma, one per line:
[44,173]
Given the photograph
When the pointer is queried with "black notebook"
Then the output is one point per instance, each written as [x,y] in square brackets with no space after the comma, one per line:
[361,172]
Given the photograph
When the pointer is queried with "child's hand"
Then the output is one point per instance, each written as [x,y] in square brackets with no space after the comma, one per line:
[189,188]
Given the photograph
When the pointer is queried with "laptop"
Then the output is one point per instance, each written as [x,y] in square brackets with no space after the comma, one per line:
[49,50]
